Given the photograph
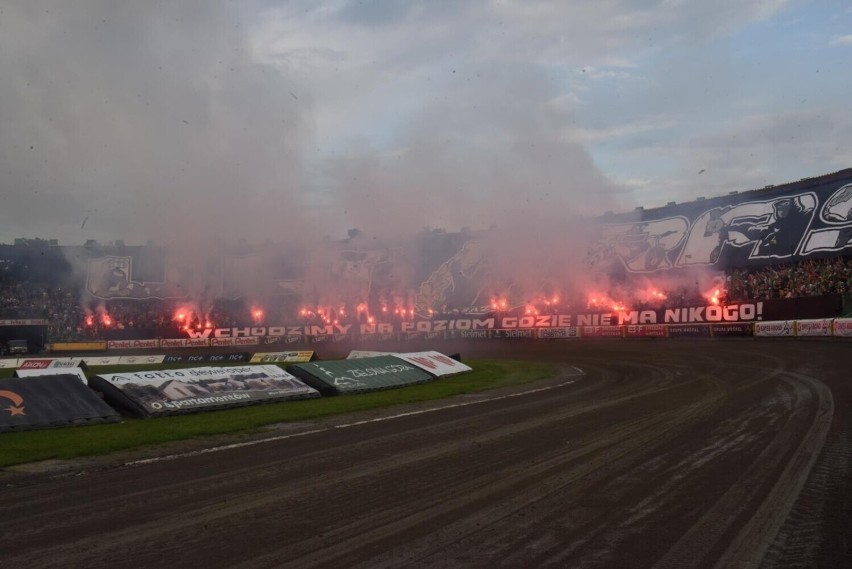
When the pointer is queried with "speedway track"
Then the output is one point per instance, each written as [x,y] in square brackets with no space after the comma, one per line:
[709,454]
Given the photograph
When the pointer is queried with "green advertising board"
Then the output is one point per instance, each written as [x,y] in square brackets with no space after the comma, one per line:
[343,377]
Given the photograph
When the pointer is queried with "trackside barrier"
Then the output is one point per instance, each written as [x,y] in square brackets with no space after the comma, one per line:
[819,327]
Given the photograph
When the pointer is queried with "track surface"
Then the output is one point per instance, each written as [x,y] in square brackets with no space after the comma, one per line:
[710,454]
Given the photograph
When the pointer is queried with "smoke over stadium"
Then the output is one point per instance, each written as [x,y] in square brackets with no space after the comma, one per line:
[273,162]
[173,127]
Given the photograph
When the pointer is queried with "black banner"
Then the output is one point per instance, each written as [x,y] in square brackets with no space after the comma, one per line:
[50,401]
[806,219]
[504,325]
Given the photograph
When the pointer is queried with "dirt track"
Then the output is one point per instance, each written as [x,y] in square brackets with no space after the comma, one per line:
[664,454]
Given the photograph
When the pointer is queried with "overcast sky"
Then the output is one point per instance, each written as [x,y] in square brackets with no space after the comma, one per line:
[184,120]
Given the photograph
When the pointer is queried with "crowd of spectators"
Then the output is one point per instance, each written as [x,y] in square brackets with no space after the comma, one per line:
[791,280]
[73,315]
[59,305]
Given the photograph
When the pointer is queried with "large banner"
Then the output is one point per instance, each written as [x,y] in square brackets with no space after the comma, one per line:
[549,325]
[198,389]
[795,221]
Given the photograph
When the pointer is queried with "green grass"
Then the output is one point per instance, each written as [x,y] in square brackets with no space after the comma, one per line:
[73,442]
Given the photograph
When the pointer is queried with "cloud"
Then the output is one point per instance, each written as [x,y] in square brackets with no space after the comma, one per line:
[842,40]
[257,120]
[747,153]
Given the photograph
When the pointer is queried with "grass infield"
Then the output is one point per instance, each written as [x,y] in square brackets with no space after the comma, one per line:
[74,442]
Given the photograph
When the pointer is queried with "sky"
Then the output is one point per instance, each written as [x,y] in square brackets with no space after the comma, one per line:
[200,121]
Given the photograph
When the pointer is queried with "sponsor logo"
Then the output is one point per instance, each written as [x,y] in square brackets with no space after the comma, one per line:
[35,364]
[474,333]
[17,406]
[132,344]
[783,328]
[557,333]
[843,327]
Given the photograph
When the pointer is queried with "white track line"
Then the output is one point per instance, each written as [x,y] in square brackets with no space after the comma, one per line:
[344,426]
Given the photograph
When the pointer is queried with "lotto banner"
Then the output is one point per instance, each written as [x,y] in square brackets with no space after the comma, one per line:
[188,390]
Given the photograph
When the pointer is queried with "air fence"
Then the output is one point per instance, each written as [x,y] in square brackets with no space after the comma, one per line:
[58,392]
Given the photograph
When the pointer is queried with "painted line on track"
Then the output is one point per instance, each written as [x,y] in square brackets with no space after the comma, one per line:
[345,425]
